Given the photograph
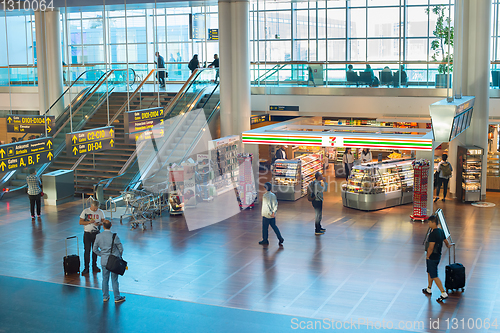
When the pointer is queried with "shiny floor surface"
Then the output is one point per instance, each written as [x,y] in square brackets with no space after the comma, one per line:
[368,266]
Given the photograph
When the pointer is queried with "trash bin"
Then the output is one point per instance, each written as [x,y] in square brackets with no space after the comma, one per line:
[58,186]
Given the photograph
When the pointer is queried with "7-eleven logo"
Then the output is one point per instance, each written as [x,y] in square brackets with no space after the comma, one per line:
[332,141]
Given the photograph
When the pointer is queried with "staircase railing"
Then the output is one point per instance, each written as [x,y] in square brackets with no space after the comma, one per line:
[124,106]
[60,117]
[66,117]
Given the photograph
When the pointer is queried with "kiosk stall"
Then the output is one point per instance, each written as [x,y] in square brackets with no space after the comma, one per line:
[371,186]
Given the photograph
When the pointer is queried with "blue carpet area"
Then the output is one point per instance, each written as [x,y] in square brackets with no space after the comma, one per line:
[34,306]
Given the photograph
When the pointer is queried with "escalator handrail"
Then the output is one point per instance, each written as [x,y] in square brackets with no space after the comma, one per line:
[88,96]
[43,167]
[211,94]
[110,180]
[132,183]
[166,160]
[71,85]
[168,111]
[120,110]
[185,87]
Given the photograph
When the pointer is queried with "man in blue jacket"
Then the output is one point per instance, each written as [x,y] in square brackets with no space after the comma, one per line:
[102,247]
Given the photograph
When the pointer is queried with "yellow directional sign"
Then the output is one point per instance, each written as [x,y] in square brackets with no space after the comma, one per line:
[25,153]
[143,124]
[141,120]
[90,141]
[149,134]
[29,124]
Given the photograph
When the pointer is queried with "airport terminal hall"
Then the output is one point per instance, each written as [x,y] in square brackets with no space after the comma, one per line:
[249,166]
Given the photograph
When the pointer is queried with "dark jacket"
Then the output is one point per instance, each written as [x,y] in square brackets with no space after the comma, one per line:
[161,62]
[215,63]
[193,64]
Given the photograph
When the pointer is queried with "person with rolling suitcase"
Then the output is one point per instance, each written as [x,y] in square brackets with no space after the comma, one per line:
[71,263]
[433,247]
[455,274]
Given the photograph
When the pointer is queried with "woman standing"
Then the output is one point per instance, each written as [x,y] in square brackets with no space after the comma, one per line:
[348,160]
[34,192]
[366,155]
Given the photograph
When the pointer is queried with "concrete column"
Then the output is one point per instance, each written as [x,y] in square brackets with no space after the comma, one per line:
[477,48]
[49,60]
[240,50]
[234,71]
[225,70]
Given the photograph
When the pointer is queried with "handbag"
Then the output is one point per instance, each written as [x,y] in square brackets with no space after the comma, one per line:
[115,264]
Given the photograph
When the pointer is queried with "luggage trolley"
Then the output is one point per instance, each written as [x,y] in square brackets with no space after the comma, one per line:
[138,204]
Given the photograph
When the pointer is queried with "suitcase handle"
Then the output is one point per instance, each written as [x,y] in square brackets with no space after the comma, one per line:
[77,246]
[454,254]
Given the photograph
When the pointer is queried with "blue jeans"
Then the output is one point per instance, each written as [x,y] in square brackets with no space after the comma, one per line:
[318,209]
[265,228]
[105,283]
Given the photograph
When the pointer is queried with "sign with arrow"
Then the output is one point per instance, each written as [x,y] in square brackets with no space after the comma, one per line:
[25,154]
[90,141]
[30,124]
[144,124]
[149,134]
[141,120]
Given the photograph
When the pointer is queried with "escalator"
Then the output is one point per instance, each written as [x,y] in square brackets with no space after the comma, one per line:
[73,118]
[193,109]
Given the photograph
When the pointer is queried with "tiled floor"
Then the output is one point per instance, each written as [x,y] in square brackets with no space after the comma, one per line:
[368,265]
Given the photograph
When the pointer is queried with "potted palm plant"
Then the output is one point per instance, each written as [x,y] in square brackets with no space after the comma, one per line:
[443,36]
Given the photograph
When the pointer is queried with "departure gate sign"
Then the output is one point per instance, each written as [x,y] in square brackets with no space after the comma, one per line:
[30,124]
[141,120]
[90,141]
[25,154]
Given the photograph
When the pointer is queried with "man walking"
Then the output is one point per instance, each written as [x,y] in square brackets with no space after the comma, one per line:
[161,69]
[91,218]
[317,188]
[102,248]
[434,246]
[269,208]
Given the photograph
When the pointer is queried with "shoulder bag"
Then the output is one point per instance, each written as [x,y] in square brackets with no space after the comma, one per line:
[115,264]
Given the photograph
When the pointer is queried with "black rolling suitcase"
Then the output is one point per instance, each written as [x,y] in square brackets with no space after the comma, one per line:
[71,263]
[455,274]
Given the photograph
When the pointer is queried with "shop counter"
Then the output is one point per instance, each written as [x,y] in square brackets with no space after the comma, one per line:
[374,186]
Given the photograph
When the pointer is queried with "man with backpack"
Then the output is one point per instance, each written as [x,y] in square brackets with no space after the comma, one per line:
[315,194]
[444,170]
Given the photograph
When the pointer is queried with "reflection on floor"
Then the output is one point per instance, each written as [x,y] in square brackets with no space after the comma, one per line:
[368,265]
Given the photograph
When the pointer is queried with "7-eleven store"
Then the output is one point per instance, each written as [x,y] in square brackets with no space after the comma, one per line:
[385,181]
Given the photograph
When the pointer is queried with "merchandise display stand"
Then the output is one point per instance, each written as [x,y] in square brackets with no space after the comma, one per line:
[224,155]
[175,198]
[204,177]
[310,164]
[286,179]
[246,186]
[421,181]
[469,166]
